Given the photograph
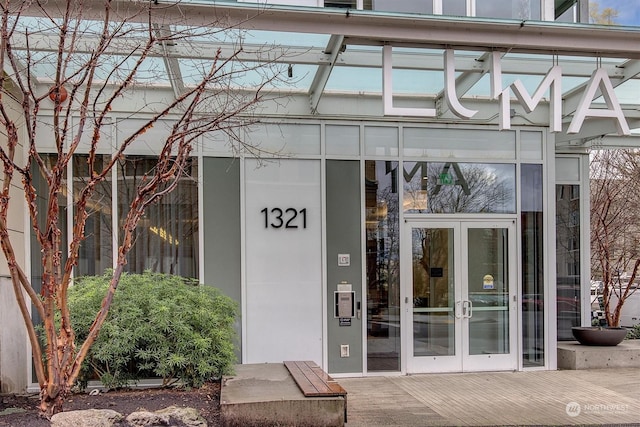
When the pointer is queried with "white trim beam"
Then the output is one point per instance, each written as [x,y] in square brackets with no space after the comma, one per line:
[451,32]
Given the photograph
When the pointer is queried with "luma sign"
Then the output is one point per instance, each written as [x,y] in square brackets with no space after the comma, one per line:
[552,82]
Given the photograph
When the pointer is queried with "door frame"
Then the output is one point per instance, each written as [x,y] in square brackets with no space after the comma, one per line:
[461,362]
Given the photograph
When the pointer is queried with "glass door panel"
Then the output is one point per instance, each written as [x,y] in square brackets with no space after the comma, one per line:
[433,292]
[489,300]
[488,293]
[432,303]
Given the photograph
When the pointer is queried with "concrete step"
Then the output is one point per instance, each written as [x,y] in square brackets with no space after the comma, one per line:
[266,395]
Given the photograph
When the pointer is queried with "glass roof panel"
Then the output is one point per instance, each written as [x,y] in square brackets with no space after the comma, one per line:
[112,68]
[570,83]
[249,74]
[422,82]
[628,92]
[355,79]
[302,76]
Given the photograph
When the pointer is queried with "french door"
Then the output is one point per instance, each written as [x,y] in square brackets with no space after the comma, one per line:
[460,296]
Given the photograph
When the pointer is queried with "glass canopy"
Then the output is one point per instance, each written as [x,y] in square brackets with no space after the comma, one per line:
[321,63]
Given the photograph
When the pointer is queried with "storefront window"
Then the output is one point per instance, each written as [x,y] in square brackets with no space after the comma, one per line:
[407,6]
[166,239]
[509,9]
[568,258]
[351,4]
[383,267]
[533,296]
[454,7]
[42,202]
[454,187]
[96,250]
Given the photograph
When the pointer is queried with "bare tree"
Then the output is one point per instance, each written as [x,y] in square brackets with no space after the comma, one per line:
[97,60]
[607,16]
[615,226]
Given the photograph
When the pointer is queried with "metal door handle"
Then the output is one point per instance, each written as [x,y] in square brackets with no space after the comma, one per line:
[457,310]
[467,309]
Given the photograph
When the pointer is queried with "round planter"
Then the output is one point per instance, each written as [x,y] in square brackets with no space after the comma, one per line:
[594,335]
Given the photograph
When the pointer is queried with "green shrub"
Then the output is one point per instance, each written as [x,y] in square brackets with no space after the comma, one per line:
[633,333]
[158,326]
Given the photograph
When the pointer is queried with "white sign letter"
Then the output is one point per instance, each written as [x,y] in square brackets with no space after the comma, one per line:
[600,79]
[504,117]
[553,82]
[450,88]
[387,91]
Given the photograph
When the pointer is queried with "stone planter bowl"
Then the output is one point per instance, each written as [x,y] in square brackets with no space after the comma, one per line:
[595,335]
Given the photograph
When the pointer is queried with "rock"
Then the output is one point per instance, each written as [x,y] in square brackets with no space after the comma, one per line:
[170,416]
[147,419]
[86,418]
[190,417]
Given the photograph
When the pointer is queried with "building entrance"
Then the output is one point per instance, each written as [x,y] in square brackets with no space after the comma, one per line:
[460,303]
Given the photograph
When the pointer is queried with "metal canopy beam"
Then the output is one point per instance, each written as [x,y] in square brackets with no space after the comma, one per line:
[595,128]
[333,49]
[170,62]
[398,29]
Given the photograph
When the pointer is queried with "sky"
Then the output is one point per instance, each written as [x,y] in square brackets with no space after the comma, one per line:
[629,10]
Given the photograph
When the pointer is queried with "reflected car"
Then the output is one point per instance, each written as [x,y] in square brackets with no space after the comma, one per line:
[532,302]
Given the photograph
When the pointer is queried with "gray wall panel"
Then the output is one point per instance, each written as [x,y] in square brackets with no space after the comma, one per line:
[221,205]
[344,237]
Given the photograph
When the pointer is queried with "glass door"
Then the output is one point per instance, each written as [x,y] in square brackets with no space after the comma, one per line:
[460,300]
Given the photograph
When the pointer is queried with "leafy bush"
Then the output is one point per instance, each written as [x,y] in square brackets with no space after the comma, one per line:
[158,326]
[633,333]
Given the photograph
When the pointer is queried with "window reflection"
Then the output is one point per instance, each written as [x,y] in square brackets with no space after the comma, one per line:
[166,239]
[568,258]
[454,7]
[532,266]
[351,4]
[509,9]
[433,291]
[458,187]
[407,6]
[96,250]
[383,269]
[42,203]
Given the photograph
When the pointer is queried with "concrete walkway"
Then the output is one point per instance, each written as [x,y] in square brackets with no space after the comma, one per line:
[594,397]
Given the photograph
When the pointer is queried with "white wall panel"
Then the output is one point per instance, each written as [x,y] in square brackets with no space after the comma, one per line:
[283,265]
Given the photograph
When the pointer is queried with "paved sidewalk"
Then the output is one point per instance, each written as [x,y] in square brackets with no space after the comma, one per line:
[584,397]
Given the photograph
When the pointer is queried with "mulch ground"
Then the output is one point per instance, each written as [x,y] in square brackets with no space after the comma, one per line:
[22,410]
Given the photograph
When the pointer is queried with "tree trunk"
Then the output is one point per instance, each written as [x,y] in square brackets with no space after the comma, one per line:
[52,404]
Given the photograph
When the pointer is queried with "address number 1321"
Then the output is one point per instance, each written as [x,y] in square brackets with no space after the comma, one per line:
[285,218]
